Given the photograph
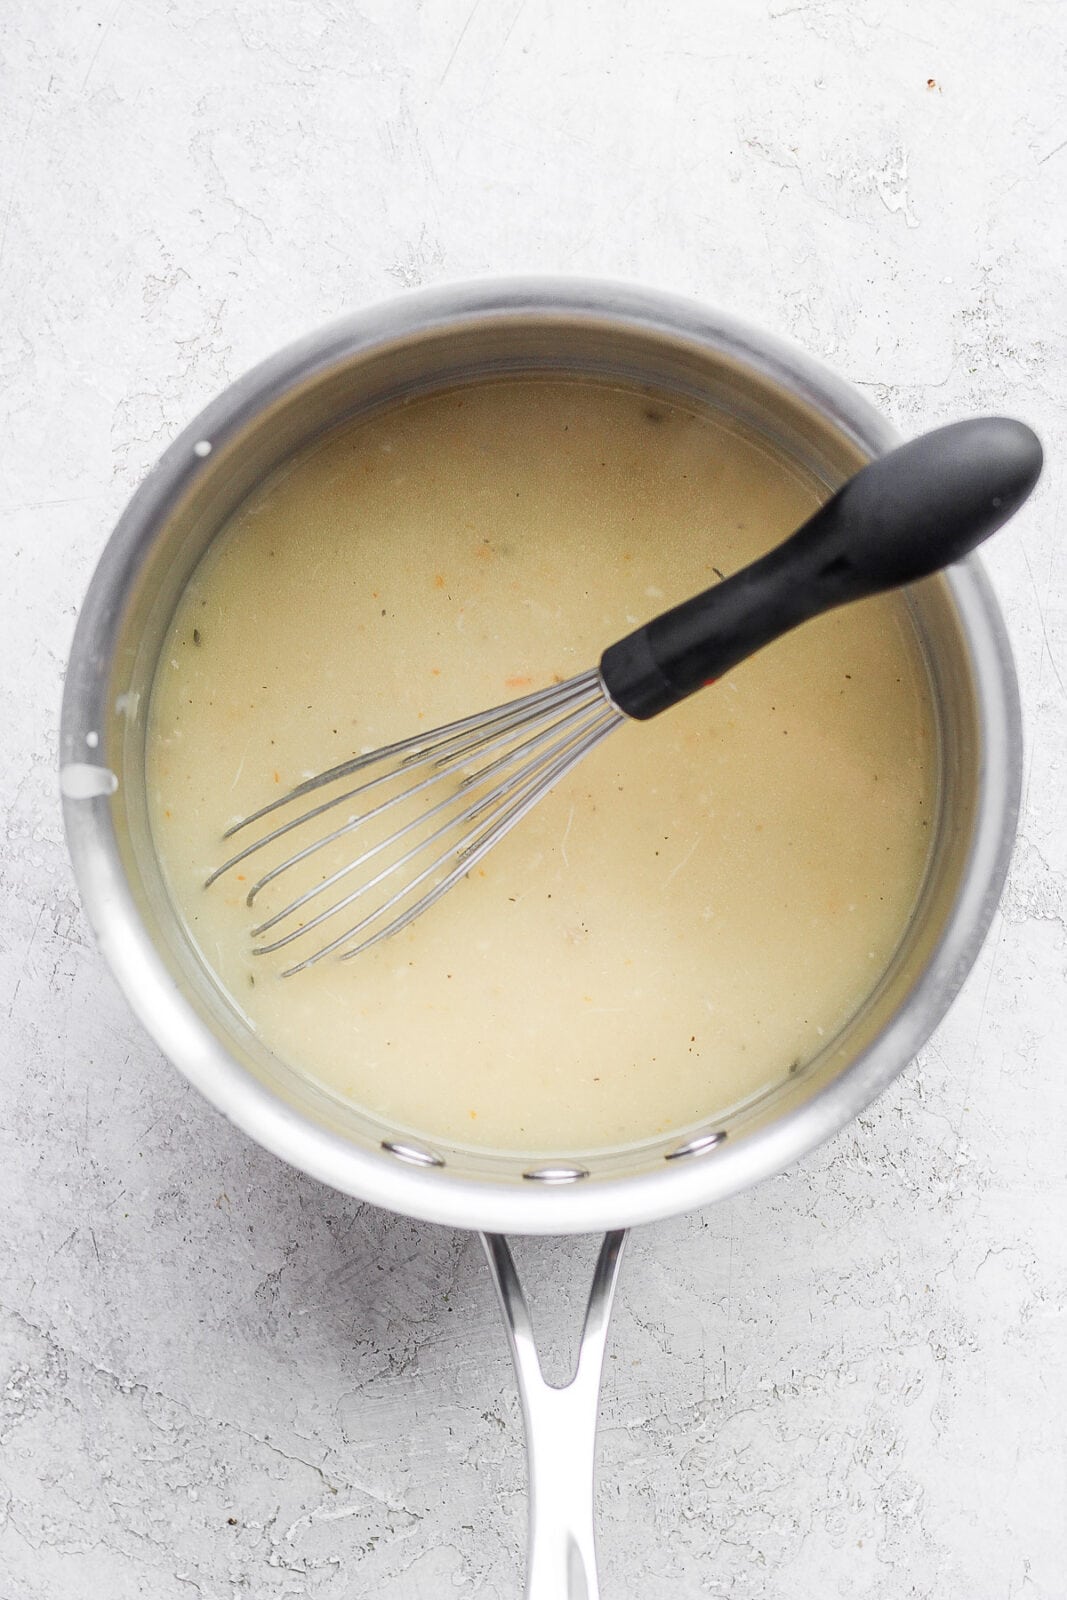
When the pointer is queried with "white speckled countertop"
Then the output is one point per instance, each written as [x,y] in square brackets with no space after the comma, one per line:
[218,1378]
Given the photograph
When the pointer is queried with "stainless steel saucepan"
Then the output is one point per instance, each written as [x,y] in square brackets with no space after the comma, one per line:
[423,342]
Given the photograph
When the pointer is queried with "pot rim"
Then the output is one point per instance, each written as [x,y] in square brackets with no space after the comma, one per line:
[439,1195]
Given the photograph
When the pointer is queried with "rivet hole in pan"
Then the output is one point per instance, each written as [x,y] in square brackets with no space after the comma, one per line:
[556,1174]
[696,1147]
[416,1155]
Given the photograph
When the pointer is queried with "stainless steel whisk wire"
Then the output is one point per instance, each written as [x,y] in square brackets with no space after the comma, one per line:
[569,720]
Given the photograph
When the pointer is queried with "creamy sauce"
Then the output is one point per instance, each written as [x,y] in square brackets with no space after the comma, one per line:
[694,912]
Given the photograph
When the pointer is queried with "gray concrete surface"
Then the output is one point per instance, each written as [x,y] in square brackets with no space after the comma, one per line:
[218,1378]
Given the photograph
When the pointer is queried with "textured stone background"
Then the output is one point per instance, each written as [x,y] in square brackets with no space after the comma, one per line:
[218,1378]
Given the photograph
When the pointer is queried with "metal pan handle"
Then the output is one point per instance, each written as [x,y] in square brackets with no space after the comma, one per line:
[560,1428]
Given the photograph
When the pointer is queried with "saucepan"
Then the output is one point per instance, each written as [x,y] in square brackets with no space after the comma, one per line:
[414,345]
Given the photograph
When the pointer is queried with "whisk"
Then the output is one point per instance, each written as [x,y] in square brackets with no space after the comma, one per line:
[425,810]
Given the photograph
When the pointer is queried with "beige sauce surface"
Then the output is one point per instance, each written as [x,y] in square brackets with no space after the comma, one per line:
[694,912]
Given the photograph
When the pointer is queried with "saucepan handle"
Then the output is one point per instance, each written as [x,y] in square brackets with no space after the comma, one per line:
[560,1428]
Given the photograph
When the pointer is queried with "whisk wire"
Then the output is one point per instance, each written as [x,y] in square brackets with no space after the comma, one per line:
[423,751]
[534,741]
[542,770]
[455,762]
[534,791]
[470,813]
[512,710]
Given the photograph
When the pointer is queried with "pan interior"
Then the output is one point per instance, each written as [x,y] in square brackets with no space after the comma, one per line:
[659,375]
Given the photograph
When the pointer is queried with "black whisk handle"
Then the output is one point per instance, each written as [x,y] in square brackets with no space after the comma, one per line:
[901,518]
